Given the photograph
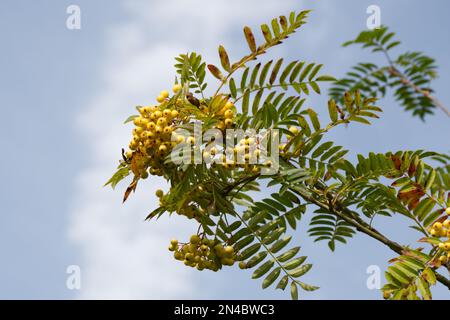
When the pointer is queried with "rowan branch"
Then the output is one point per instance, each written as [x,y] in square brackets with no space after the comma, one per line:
[353,219]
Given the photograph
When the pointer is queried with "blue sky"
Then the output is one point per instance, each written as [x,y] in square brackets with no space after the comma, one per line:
[65,93]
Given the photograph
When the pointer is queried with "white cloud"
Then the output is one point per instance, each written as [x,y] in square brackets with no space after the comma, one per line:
[123,257]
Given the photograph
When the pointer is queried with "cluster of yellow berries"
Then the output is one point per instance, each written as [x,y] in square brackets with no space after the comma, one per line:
[152,136]
[239,156]
[191,209]
[442,230]
[203,253]
[226,115]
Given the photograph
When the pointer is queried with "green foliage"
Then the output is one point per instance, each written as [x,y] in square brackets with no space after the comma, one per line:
[410,276]
[409,75]
[328,227]
[316,174]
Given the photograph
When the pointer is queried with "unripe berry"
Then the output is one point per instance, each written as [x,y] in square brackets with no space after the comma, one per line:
[229,105]
[144,175]
[177,87]
[227,261]
[159,193]
[437,226]
[158,114]
[213,151]
[229,114]
[161,121]
[168,130]
[229,250]
[164,94]
[189,257]
[162,149]
[256,169]
[190,140]
[242,265]
[195,239]
[294,130]
[173,242]
[133,145]
[151,126]
[129,154]
[178,255]
[220,125]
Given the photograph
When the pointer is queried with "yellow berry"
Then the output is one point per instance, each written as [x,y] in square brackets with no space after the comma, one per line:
[447,246]
[229,105]
[228,122]
[173,242]
[447,211]
[161,121]
[437,226]
[195,239]
[220,125]
[151,125]
[229,250]
[159,193]
[158,114]
[177,87]
[174,113]
[190,140]
[164,94]
[178,255]
[129,154]
[242,265]
[160,99]
[446,223]
[294,130]
[229,114]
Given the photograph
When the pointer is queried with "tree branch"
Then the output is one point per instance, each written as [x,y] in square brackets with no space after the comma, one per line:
[353,219]
[393,71]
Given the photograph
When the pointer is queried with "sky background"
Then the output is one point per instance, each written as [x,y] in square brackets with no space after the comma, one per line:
[65,93]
